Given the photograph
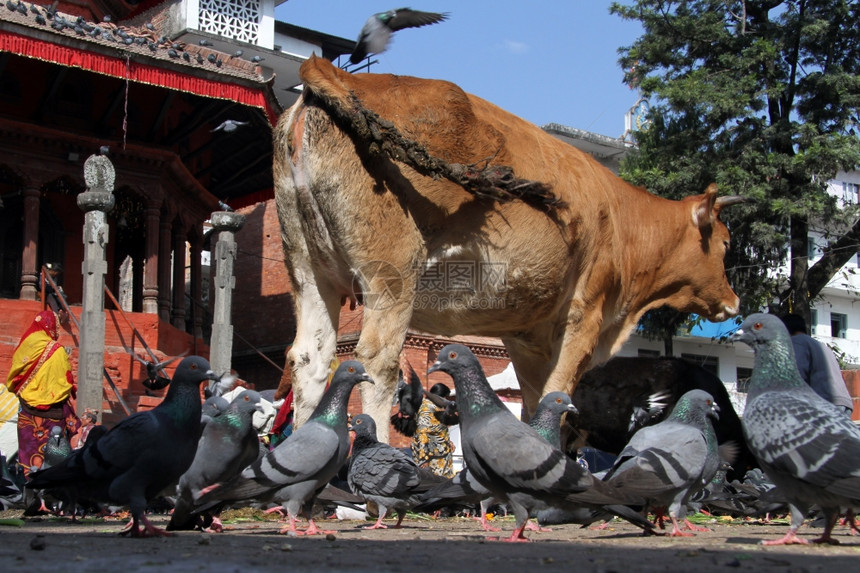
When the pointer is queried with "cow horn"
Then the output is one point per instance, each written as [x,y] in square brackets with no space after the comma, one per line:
[730,200]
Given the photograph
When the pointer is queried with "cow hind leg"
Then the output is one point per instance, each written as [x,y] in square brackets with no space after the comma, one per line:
[313,350]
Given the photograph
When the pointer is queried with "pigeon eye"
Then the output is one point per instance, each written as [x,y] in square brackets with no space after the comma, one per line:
[247,399]
[350,369]
[193,366]
[452,355]
[758,326]
[558,400]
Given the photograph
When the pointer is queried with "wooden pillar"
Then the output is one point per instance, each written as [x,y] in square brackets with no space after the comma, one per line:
[164,248]
[178,315]
[151,259]
[29,272]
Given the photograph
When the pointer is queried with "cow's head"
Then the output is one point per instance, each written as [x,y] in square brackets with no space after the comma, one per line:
[701,259]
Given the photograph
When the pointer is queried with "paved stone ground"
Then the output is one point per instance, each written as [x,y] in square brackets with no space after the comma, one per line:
[423,544]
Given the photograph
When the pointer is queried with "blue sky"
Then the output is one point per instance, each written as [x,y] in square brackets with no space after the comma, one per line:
[548,61]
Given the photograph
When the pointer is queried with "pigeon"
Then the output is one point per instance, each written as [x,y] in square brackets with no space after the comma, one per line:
[804,444]
[646,410]
[300,466]
[547,418]
[257,59]
[57,448]
[230,125]
[407,398]
[669,462]
[611,396]
[237,54]
[213,407]
[224,206]
[464,488]
[382,474]
[156,378]
[228,445]
[205,43]
[211,57]
[506,456]
[376,33]
[135,460]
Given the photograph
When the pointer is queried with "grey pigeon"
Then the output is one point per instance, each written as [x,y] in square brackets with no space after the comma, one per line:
[407,398]
[463,487]
[669,462]
[376,33]
[382,474]
[803,443]
[57,449]
[230,125]
[228,445]
[140,456]
[212,407]
[506,456]
[300,466]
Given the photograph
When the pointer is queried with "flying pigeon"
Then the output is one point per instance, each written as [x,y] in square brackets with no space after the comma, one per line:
[302,464]
[140,456]
[803,443]
[506,456]
[156,378]
[230,125]
[376,33]
[407,397]
[228,445]
[669,462]
[383,474]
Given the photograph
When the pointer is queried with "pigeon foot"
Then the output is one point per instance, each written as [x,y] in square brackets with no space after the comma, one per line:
[790,538]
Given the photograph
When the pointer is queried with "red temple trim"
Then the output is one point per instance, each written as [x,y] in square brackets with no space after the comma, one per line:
[127,69]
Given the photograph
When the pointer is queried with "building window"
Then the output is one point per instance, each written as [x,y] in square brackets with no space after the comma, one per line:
[743,375]
[838,325]
[813,322]
[811,249]
[850,193]
[709,363]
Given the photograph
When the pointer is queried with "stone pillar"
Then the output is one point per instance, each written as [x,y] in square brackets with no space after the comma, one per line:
[226,224]
[196,282]
[151,262]
[96,202]
[29,272]
[178,317]
[164,290]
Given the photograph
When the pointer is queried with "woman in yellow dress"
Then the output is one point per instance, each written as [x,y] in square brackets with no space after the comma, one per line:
[41,377]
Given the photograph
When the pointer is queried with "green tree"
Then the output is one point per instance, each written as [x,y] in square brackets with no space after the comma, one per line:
[762,97]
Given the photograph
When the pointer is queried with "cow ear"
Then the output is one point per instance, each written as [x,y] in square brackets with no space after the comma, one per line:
[703,213]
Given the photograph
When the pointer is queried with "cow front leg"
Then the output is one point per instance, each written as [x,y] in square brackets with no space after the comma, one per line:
[378,349]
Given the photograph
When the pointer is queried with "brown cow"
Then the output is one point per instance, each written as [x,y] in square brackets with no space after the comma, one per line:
[562,286]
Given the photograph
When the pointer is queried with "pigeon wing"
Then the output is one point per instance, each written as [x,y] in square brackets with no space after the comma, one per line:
[801,435]
[407,18]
